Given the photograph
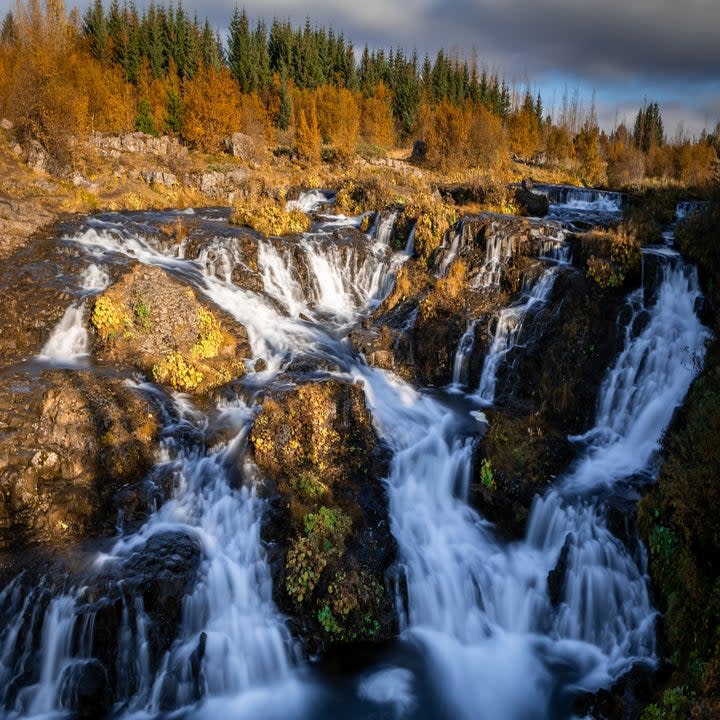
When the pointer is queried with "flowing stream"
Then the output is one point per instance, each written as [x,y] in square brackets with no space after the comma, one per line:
[482,635]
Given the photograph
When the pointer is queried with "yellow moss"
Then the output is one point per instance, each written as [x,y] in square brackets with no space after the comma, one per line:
[210,337]
[176,371]
[108,319]
[270,218]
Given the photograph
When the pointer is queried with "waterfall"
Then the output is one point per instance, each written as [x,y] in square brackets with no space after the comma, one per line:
[310,201]
[481,609]
[478,619]
[68,342]
[688,207]
[507,330]
[384,226]
[577,198]
[648,380]
[463,353]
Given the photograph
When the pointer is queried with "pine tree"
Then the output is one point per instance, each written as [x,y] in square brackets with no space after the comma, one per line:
[144,121]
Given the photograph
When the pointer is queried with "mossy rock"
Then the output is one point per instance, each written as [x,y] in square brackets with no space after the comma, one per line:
[150,321]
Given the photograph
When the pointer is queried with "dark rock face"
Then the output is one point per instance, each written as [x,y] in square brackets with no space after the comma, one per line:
[529,202]
[317,444]
[419,151]
[71,439]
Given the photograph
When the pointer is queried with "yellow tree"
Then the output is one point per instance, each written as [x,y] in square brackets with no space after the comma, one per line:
[377,127]
[307,134]
[447,137]
[211,101]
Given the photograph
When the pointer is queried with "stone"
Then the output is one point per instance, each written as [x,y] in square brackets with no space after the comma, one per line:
[529,202]
[6,124]
[240,146]
[150,321]
[419,151]
[70,440]
[159,177]
[37,157]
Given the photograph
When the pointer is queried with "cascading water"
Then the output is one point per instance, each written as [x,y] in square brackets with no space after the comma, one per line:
[68,341]
[507,329]
[476,610]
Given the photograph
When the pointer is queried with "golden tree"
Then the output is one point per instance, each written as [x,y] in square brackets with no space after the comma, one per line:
[211,102]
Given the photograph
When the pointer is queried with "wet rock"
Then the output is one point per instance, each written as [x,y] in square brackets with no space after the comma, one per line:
[329,523]
[462,194]
[556,577]
[518,458]
[419,151]
[70,440]
[154,580]
[150,321]
[85,689]
[529,202]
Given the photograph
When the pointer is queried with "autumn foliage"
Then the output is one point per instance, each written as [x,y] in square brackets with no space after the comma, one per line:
[160,71]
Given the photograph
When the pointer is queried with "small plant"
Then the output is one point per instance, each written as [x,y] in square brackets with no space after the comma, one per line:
[487,476]
[141,311]
[107,318]
[308,487]
[328,621]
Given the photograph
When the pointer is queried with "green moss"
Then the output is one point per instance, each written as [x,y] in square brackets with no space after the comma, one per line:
[308,487]
[487,476]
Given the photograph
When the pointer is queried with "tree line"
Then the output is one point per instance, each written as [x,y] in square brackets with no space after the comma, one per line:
[163,70]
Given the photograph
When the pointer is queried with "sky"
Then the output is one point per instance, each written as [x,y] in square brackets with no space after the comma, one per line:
[623,51]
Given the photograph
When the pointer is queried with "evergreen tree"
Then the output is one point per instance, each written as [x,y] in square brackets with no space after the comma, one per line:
[144,121]
[240,51]
[95,30]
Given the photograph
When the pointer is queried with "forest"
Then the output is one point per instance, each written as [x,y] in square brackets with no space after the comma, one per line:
[310,91]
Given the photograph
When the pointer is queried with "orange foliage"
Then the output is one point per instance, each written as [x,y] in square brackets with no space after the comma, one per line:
[307,133]
[447,136]
[377,126]
[338,117]
[524,133]
[211,107]
[254,118]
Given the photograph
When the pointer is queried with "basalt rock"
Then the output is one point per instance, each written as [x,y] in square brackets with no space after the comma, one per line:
[150,321]
[316,444]
[70,440]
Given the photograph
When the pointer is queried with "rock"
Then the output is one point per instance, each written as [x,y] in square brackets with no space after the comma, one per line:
[317,444]
[150,321]
[531,203]
[85,689]
[556,577]
[462,194]
[419,151]
[6,124]
[37,157]
[220,183]
[159,177]
[240,146]
[69,441]
[138,142]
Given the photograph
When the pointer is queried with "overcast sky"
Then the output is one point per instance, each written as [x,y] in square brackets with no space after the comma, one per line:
[667,51]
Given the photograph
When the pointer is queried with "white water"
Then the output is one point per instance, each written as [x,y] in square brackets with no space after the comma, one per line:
[310,200]
[68,342]
[507,329]
[463,353]
[478,608]
[384,226]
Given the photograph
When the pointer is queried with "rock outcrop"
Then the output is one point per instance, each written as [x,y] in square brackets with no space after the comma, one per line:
[69,441]
[150,321]
[317,444]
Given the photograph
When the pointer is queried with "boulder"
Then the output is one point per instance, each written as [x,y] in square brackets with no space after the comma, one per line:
[6,124]
[419,151]
[316,443]
[69,441]
[529,202]
[158,177]
[240,146]
[157,324]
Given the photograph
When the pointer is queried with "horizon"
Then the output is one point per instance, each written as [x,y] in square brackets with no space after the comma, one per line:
[612,67]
